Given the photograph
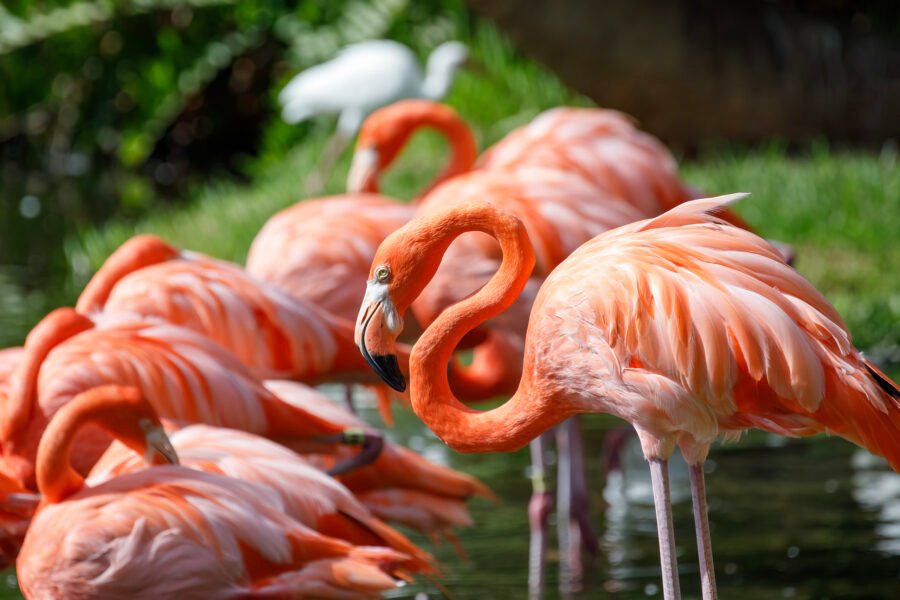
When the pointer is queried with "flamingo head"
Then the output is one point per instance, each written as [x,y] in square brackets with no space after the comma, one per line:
[125,413]
[403,265]
[385,133]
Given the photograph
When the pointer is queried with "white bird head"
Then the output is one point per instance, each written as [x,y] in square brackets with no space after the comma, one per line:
[442,65]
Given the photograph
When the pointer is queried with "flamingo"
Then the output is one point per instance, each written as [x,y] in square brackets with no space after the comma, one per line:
[319,250]
[361,78]
[306,494]
[683,325]
[276,336]
[168,531]
[187,377]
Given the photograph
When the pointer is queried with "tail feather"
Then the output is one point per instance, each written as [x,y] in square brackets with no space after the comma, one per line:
[366,529]
[883,381]
[867,413]
[350,578]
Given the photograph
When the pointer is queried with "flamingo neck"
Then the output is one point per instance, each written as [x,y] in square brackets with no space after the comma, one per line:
[114,408]
[524,416]
[430,115]
[136,253]
[55,328]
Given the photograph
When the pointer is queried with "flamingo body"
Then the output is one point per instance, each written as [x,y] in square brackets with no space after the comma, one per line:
[269,332]
[320,250]
[186,376]
[602,146]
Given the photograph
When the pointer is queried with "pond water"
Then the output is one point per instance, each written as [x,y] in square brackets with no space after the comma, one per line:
[801,519]
[814,518]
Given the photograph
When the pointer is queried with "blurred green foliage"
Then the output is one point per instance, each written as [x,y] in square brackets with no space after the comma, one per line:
[109,108]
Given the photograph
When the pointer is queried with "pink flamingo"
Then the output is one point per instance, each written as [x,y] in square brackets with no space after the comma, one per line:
[169,531]
[683,325]
[276,336]
[307,495]
[320,249]
[187,377]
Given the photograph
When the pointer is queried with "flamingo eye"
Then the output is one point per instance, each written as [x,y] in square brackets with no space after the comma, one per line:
[382,274]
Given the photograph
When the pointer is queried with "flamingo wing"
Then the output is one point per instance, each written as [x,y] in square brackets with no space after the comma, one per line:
[709,320]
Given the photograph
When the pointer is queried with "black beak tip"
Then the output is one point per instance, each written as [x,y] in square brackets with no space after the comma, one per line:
[388,369]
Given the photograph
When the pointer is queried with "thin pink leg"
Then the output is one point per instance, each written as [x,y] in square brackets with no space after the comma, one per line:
[539,509]
[573,507]
[662,502]
[701,523]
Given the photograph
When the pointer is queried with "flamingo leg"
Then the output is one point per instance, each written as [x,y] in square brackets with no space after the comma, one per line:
[348,397]
[662,502]
[701,524]
[573,508]
[539,508]
[370,442]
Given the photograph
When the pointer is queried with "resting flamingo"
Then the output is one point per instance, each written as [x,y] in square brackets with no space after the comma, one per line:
[168,531]
[276,336]
[320,249]
[683,325]
[305,493]
[187,377]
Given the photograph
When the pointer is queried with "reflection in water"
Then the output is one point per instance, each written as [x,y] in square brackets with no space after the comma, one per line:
[629,497]
[801,519]
[877,489]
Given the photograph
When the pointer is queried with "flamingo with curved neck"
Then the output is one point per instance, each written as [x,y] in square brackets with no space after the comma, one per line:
[276,336]
[16,409]
[121,411]
[387,130]
[683,325]
[212,535]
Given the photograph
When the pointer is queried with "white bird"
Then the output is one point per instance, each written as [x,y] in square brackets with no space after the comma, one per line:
[360,79]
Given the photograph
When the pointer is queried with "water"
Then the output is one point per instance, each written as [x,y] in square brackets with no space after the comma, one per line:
[802,519]
[812,518]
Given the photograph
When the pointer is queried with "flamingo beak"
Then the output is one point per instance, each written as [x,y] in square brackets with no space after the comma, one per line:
[361,177]
[376,332]
[159,448]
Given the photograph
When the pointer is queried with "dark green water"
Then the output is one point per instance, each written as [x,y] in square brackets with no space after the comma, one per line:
[812,518]
[800,519]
